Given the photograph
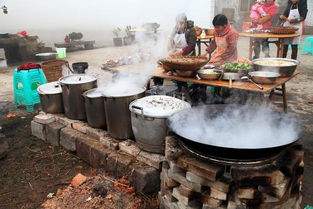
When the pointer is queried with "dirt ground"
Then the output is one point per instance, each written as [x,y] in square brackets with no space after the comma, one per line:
[34,169]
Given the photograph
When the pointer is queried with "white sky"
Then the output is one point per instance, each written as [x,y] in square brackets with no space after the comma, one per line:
[97,14]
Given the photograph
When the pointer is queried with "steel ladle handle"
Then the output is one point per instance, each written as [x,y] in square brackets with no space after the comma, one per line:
[259,86]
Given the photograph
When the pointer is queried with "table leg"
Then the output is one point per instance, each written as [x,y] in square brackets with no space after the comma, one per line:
[281,47]
[284,97]
[199,47]
[250,48]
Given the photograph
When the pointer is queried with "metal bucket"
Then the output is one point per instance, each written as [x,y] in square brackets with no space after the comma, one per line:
[118,118]
[51,100]
[73,100]
[94,106]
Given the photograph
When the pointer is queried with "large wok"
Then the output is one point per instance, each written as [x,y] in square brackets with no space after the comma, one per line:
[215,149]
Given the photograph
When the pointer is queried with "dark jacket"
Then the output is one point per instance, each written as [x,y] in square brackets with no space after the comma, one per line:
[302,5]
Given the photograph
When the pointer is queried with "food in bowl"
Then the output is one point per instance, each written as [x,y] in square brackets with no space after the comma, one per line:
[234,66]
[210,74]
[274,63]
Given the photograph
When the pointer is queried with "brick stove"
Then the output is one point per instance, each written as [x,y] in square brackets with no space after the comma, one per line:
[187,182]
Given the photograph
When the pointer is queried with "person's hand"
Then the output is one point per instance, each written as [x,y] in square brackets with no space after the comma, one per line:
[282,17]
[177,53]
[288,20]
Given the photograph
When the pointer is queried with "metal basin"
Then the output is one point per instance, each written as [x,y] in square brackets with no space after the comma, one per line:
[210,74]
[276,65]
[51,100]
[263,77]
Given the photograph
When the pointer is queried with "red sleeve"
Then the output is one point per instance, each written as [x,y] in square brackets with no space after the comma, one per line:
[272,10]
[187,50]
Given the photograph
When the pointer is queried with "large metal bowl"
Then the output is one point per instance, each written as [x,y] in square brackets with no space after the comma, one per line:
[284,71]
[210,74]
[264,77]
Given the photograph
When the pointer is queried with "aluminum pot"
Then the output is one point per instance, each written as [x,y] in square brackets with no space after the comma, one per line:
[118,115]
[284,71]
[149,120]
[94,107]
[73,87]
[51,100]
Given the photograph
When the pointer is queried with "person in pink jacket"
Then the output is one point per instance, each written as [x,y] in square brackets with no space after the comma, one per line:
[257,12]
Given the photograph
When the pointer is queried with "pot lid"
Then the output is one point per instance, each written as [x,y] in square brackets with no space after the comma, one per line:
[158,106]
[94,93]
[77,79]
[50,88]
[122,91]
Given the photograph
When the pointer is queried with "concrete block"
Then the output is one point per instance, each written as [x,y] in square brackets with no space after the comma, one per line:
[154,160]
[96,133]
[218,194]
[68,138]
[53,131]
[44,119]
[65,121]
[130,147]
[38,130]
[109,142]
[247,193]
[80,126]
[181,178]
[118,164]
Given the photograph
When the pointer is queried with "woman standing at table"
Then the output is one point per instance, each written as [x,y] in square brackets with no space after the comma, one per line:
[270,8]
[183,39]
[224,43]
[293,16]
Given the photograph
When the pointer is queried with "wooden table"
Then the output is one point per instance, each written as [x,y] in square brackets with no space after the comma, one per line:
[237,84]
[279,43]
[203,40]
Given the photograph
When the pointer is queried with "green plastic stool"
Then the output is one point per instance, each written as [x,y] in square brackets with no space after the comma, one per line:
[308,46]
[308,207]
[25,84]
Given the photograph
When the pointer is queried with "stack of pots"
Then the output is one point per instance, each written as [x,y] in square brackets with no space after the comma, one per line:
[117,112]
[51,97]
[94,105]
[73,86]
[149,120]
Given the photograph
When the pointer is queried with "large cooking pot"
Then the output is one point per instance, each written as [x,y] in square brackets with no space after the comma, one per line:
[234,133]
[73,87]
[149,120]
[51,97]
[80,67]
[94,107]
[285,67]
[117,112]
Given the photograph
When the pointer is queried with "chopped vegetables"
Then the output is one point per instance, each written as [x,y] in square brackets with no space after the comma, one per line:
[236,66]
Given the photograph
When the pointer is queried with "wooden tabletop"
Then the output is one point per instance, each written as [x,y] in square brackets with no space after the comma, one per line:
[269,35]
[235,84]
[205,37]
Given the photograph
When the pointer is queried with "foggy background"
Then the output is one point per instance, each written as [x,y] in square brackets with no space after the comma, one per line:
[51,20]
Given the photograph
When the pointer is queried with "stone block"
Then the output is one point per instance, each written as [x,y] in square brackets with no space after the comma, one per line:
[154,160]
[210,203]
[205,170]
[68,138]
[181,198]
[247,193]
[65,121]
[181,178]
[216,194]
[172,148]
[96,133]
[118,164]
[278,189]
[44,119]
[129,147]
[144,178]
[169,181]
[53,131]
[109,142]
[80,126]
[38,130]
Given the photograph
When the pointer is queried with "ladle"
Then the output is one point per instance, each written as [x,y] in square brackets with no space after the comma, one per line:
[249,79]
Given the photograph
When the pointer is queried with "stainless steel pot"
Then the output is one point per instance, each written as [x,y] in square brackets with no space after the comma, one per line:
[149,124]
[117,114]
[73,87]
[94,107]
[284,71]
[263,77]
[51,97]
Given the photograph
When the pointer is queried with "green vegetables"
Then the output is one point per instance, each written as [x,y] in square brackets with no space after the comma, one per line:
[236,66]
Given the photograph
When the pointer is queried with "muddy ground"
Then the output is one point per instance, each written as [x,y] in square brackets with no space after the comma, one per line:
[34,169]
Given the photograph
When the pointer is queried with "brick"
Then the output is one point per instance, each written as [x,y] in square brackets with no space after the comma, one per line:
[214,193]
[192,205]
[80,126]
[168,181]
[279,189]
[200,168]
[44,119]
[219,185]
[247,193]
[118,164]
[277,177]
[174,168]
[68,138]
[109,142]
[231,205]
[79,179]
[65,121]
[154,160]
[144,178]
[180,178]
[185,191]
[269,199]
[181,198]
[53,131]
[164,202]
[96,133]
[211,203]
[172,148]
[92,151]
[38,130]
[129,147]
